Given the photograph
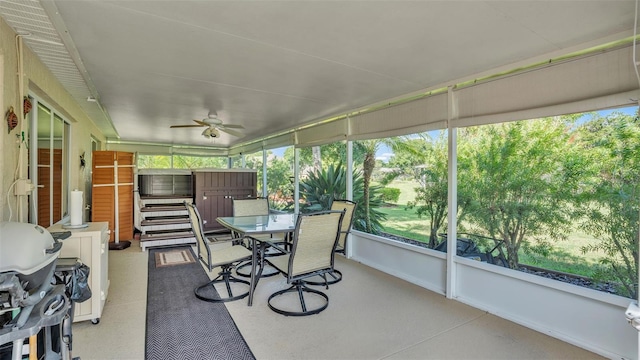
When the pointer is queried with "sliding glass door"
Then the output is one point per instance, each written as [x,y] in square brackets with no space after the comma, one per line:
[49,165]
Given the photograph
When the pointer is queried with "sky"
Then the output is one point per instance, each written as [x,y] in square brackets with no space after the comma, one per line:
[384,153]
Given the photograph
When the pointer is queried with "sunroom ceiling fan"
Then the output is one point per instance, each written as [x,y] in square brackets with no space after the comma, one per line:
[214,125]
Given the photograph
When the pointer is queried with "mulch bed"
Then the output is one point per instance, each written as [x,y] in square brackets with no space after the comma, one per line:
[563,277]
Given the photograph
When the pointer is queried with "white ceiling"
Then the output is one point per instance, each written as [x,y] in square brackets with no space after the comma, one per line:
[273,65]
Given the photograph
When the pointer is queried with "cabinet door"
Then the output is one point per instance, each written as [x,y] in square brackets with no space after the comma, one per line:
[104,192]
[212,204]
[104,269]
[214,193]
[80,245]
[125,195]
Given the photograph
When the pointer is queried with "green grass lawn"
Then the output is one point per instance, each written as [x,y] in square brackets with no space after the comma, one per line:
[407,192]
[566,255]
[405,223]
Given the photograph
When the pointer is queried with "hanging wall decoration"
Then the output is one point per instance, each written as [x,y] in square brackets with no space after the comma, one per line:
[12,119]
[26,106]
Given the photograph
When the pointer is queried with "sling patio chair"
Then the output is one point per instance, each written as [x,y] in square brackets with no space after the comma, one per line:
[256,207]
[214,252]
[312,254]
[349,208]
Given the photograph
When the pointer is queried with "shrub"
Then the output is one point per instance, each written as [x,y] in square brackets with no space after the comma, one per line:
[321,187]
[390,195]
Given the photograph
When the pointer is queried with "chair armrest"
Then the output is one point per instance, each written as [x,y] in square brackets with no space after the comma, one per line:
[220,239]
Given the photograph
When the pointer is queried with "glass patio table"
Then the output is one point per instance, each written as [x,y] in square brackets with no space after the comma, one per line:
[258,225]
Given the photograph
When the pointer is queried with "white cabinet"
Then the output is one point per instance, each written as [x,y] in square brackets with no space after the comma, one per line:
[91,246]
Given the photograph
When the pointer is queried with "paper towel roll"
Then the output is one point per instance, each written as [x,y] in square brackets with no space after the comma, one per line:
[76,208]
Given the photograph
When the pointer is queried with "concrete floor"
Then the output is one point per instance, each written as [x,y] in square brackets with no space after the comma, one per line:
[371,315]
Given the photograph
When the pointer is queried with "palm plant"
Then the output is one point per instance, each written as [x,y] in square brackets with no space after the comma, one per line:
[368,149]
[320,188]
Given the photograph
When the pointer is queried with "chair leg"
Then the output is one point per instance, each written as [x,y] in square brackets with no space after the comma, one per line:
[335,276]
[300,288]
[247,274]
[223,277]
[262,251]
[301,296]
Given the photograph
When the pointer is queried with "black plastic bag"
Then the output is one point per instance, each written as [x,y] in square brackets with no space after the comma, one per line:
[75,277]
[80,290]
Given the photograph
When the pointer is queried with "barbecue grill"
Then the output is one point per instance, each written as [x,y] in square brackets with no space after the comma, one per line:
[28,300]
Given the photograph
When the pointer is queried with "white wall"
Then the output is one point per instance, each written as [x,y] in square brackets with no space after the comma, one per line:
[423,267]
[583,317]
[38,80]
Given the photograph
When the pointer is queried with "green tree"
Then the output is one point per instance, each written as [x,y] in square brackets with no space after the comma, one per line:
[407,160]
[432,196]
[368,149]
[279,181]
[254,161]
[199,162]
[154,161]
[522,178]
[613,214]
[329,154]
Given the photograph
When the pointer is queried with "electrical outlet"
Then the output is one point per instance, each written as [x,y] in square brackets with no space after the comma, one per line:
[23,187]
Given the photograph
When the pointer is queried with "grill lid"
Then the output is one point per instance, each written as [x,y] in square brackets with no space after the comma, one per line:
[26,248]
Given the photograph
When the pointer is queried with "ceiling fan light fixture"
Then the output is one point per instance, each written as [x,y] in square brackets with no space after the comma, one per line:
[211,132]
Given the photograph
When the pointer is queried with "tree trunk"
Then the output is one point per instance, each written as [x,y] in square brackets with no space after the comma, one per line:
[512,253]
[317,158]
[368,166]
[433,237]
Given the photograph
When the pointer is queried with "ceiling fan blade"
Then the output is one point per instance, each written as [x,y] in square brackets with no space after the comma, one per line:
[184,126]
[202,123]
[233,126]
[232,132]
